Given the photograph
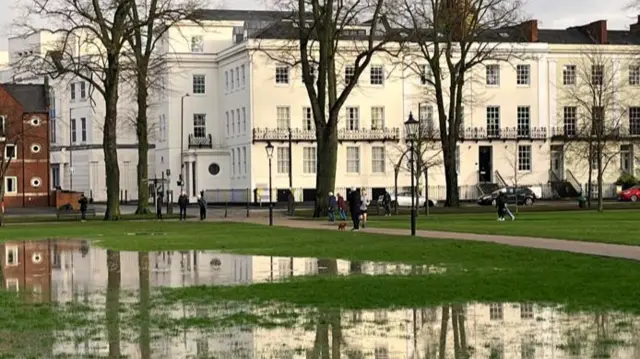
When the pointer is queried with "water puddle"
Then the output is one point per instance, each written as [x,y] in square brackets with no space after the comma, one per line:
[92,321]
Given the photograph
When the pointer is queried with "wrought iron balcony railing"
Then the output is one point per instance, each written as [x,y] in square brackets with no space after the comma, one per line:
[200,142]
[484,134]
[344,135]
[570,132]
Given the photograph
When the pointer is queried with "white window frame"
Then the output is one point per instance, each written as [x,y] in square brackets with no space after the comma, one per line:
[492,74]
[244,119]
[16,253]
[349,73]
[198,88]
[352,122]
[226,113]
[525,158]
[308,123]
[569,75]
[309,160]
[72,91]
[238,76]
[597,74]
[200,124]
[83,130]
[3,121]
[634,120]
[570,120]
[282,75]
[283,117]
[523,116]
[197,44]
[226,80]
[12,284]
[15,151]
[353,164]
[634,75]
[233,161]
[244,158]
[376,75]
[425,117]
[83,90]
[378,159]
[426,74]
[493,121]
[238,121]
[15,184]
[282,160]
[377,117]
[244,75]
[523,75]
[233,122]
[233,83]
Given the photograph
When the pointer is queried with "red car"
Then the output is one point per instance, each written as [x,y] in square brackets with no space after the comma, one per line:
[630,194]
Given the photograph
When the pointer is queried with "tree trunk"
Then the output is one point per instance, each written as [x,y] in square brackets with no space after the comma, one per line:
[450,174]
[109,141]
[326,168]
[396,173]
[443,332]
[113,303]
[600,172]
[590,177]
[142,134]
[145,333]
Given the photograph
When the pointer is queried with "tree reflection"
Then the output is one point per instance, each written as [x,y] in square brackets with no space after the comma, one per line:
[145,336]
[113,303]
[327,318]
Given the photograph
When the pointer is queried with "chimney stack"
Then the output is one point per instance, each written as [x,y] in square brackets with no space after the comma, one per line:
[635,27]
[598,30]
[530,30]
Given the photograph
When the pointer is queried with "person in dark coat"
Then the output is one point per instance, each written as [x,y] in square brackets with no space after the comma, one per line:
[355,202]
[333,204]
[84,204]
[202,203]
[501,204]
[342,208]
[386,203]
[183,201]
[159,206]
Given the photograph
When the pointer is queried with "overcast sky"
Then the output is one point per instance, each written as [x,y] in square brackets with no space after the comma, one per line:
[550,13]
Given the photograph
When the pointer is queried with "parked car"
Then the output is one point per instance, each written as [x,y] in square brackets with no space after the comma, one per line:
[521,195]
[630,194]
[404,200]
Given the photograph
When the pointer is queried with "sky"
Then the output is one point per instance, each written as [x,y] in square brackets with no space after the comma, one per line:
[549,13]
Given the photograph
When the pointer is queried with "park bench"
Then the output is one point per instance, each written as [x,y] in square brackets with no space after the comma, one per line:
[74,214]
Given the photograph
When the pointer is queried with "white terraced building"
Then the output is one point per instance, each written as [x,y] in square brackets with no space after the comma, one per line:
[227,99]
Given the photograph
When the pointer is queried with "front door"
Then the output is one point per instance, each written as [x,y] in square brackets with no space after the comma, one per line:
[557,164]
[485,166]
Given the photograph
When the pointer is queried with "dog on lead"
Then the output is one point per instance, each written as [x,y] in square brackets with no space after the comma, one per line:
[342,226]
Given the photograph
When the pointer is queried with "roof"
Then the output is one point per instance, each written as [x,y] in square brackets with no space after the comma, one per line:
[33,98]
[241,15]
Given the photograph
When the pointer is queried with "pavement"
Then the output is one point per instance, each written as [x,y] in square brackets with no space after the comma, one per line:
[591,248]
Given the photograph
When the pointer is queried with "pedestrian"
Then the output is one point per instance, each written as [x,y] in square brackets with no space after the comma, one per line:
[342,209]
[183,201]
[84,204]
[159,207]
[501,205]
[508,211]
[333,203]
[354,207]
[364,202]
[202,203]
[386,203]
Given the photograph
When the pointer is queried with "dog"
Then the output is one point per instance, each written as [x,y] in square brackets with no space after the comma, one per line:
[342,226]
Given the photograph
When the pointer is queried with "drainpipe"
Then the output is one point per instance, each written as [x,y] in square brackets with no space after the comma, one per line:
[24,172]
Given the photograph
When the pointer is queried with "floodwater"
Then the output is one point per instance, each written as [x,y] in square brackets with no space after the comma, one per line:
[124,321]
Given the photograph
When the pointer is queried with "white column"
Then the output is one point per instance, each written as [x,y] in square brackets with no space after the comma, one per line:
[553,102]
[187,178]
[194,165]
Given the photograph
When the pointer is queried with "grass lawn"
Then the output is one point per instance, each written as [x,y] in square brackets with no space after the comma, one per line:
[619,226]
[474,271]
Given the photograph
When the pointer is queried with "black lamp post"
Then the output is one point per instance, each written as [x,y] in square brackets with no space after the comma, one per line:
[411,129]
[269,149]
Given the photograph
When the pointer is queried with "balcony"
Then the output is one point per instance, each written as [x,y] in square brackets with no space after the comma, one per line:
[504,134]
[344,135]
[200,142]
[571,133]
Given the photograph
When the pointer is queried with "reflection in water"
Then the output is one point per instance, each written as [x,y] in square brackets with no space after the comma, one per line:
[132,326]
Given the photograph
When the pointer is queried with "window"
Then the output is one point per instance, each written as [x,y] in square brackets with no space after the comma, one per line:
[634,75]
[353,159]
[238,120]
[377,75]
[2,127]
[244,158]
[523,75]
[83,129]
[626,157]
[312,73]
[10,151]
[197,44]
[199,125]
[527,349]
[309,159]
[282,75]
[526,311]
[11,185]
[283,159]
[73,130]
[377,160]
[353,119]
[425,117]
[493,75]
[524,158]
[244,120]
[233,84]
[233,161]
[426,74]
[458,159]
[570,118]
[35,148]
[381,353]
[238,157]
[36,182]
[349,74]
[199,84]
[233,122]
[237,76]
[226,81]
[73,91]
[524,121]
[227,116]
[83,90]
[496,312]
[597,74]
[377,118]
[569,75]
[13,284]
[11,255]
[307,119]
[634,121]
[244,75]
[283,115]
[598,118]
[493,121]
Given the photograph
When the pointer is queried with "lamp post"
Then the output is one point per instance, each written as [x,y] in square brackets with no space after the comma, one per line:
[71,130]
[182,142]
[269,149]
[411,129]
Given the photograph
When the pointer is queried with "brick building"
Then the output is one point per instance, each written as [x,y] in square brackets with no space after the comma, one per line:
[26,267]
[24,137]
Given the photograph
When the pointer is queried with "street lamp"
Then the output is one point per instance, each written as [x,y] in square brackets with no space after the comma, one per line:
[182,142]
[411,129]
[269,149]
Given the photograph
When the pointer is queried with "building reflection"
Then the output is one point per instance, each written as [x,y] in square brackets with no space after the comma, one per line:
[70,271]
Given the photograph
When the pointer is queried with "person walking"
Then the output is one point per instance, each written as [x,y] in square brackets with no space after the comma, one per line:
[202,203]
[354,206]
[342,209]
[183,201]
[501,203]
[364,202]
[386,203]
[333,203]
[84,204]
[159,206]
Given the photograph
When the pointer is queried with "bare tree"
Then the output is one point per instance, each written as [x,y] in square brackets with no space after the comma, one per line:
[92,35]
[329,36]
[593,115]
[150,22]
[450,39]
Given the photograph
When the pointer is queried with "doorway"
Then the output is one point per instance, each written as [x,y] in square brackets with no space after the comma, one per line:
[485,164]
[557,163]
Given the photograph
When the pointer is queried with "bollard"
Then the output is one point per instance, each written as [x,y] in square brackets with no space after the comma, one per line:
[225,209]
[126,196]
[248,196]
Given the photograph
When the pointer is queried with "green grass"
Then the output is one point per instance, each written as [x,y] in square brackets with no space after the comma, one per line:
[51,218]
[474,271]
[619,227]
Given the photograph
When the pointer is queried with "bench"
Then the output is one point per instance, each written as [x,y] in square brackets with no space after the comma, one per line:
[75,214]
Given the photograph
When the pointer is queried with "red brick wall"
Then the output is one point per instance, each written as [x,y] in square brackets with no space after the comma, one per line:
[28,272]
[26,133]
